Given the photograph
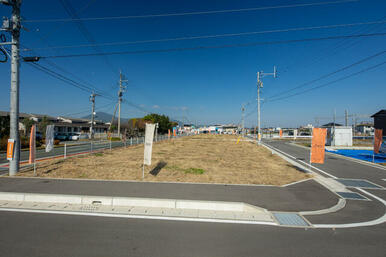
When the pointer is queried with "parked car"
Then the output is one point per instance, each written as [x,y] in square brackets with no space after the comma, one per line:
[74,136]
[84,136]
[39,135]
[61,136]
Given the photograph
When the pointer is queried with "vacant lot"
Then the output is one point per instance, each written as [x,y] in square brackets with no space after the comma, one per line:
[203,158]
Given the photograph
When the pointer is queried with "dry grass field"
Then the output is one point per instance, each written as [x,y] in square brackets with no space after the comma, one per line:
[202,158]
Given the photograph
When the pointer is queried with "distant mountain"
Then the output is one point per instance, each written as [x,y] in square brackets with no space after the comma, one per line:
[106,117]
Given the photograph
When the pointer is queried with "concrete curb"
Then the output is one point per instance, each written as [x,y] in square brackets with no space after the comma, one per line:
[131,201]
[340,205]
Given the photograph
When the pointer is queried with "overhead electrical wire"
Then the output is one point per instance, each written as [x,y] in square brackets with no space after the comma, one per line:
[329,83]
[192,13]
[209,36]
[329,74]
[86,33]
[215,46]
[88,110]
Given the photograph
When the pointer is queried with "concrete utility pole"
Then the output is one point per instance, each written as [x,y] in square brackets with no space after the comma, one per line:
[346,118]
[260,75]
[242,119]
[92,100]
[120,94]
[13,26]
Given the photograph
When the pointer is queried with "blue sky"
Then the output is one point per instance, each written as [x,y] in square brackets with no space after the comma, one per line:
[209,85]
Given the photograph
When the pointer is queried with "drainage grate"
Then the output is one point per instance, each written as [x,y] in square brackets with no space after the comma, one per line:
[89,207]
[358,183]
[290,219]
[352,196]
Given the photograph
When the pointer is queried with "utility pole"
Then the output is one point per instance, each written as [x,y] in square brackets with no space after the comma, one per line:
[13,26]
[120,94]
[242,119]
[92,100]
[260,75]
[346,118]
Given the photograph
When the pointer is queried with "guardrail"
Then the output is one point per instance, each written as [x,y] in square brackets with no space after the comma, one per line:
[82,148]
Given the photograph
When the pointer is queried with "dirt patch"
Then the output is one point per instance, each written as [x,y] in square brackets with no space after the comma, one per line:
[202,158]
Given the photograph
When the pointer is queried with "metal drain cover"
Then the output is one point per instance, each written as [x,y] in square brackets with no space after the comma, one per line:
[290,219]
[351,196]
[91,207]
[358,183]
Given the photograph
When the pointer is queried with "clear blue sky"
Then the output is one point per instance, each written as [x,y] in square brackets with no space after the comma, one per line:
[209,85]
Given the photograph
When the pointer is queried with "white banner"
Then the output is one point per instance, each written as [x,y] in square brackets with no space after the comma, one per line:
[49,138]
[149,135]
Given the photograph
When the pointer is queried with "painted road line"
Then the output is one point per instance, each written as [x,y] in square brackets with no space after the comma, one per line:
[296,159]
[378,221]
[347,158]
[340,205]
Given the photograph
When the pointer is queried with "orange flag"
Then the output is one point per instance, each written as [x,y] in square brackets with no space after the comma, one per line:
[377,140]
[32,144]
[318,143]
[281,133]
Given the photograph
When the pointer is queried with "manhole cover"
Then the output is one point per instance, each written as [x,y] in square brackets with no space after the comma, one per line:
[358,183]
[290,219]
[352,196]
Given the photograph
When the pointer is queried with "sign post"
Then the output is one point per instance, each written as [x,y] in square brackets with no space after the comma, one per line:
[149,135]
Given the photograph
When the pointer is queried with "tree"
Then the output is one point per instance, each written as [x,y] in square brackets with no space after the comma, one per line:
[163,122]
[4,126]
[28,124]
[42,125]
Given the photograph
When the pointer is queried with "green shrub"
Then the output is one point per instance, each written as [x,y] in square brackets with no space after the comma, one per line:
[115,139]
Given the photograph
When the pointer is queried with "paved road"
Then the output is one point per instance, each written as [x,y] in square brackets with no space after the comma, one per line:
[40,235]
[334,164]
[69,235]
[305,196]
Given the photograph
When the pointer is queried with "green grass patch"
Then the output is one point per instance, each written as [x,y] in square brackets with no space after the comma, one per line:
[98,154]
[186,171]
[194,171]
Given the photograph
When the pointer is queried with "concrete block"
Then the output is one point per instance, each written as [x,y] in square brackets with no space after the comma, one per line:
[207,205]
[103,200]
[51,198]
[5,196]
[207,214]
[143,202]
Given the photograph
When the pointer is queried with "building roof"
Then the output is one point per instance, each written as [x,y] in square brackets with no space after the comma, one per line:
[332,124]
[380,113]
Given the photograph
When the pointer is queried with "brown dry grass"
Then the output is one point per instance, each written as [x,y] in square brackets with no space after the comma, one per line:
[203,158]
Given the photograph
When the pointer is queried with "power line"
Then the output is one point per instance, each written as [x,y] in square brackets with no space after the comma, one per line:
[329,74]
[86,33]
[215,46]
[331,82]
[193,13]
[210,36]
[88,110]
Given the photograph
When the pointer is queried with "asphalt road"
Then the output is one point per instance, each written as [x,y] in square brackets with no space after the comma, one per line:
[27,234]
[39,235]
[306,196]
[334,164]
